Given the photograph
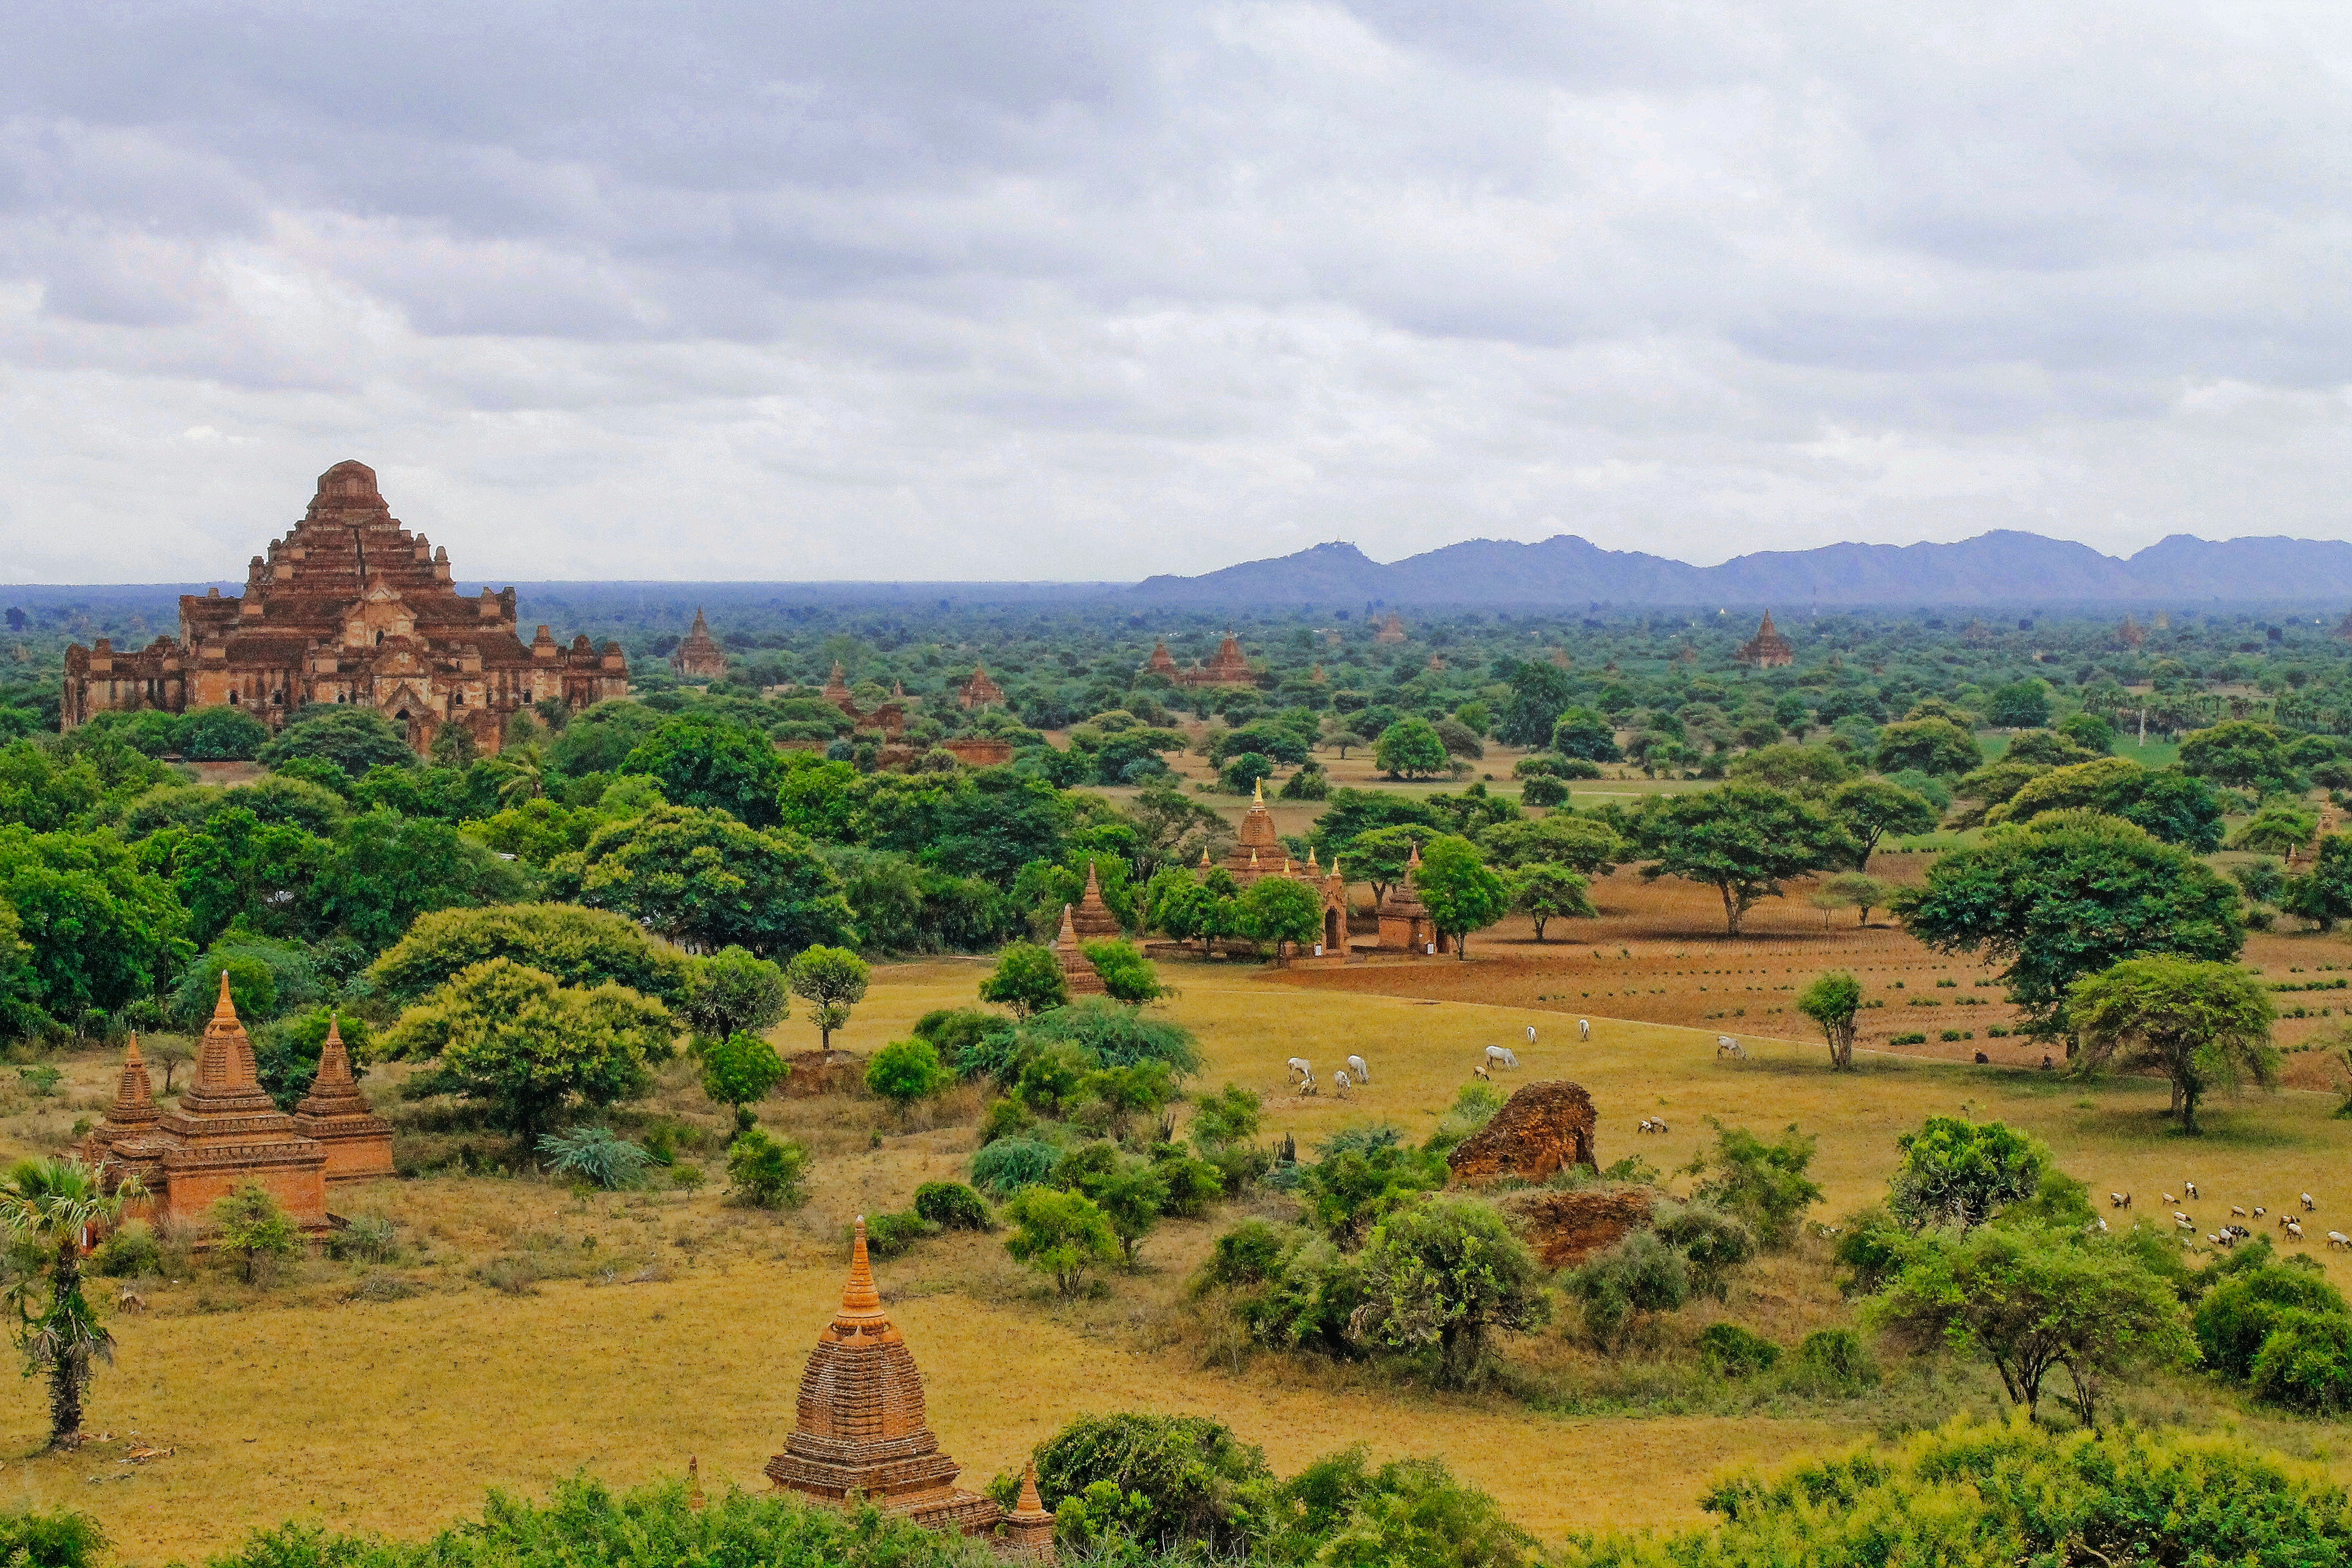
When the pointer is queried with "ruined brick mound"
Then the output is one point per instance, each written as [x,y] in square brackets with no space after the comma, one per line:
[823,1072]
[1543,1127]
[1566,1228]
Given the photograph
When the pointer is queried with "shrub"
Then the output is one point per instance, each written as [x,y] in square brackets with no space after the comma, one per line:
[766,1172]
[1443,1274]
[1713,1242]
[1913,1038]
[369,1238]
[952,1205]
[1009,1164]
[1763,1183]
[905,1072]
[57,1540]
[969,1041]
[1730,1350]
[248,1223]
[595,1157]
[1837,1356]
[888,1234]
[1111,1035]
[127,1254]
[1411,1513]
[2306,1363]
[1474,1107]
[1062,1235]
[1544,791]
[1641,1274]
[1196,1482]
[2237,1315]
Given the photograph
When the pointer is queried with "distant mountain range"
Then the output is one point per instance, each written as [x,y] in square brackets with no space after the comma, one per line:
[2004,567]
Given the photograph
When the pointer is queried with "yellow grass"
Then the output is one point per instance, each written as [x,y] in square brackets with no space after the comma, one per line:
[396,1416]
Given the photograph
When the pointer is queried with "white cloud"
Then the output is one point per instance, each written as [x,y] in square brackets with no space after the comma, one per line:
[985,290]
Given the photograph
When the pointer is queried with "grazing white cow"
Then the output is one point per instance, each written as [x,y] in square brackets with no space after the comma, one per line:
[2260,1211]
[1652,1124]
[1300,1065]
[2337,1238]
[1725,1046]
[1355,1065]
[1501,1056]
[1339,1084]
[1584,1028]
[1307,1086]
[2295,1228]
[2307,1204]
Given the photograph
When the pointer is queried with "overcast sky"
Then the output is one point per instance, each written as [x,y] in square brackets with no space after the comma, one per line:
[864,289]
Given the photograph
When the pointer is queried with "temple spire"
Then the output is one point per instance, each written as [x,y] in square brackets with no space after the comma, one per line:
[860,1301]
[225,1010]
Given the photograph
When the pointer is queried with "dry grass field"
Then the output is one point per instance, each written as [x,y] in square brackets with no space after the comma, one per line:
[529,1332]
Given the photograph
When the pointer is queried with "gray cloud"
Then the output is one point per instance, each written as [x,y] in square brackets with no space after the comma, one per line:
[989,289]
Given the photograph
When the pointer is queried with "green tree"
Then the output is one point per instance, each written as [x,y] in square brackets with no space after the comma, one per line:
[832,980]
[1855,891]
[577,946]
[739,1068]
[1540,694]
[354,738]
[764,1172]
[905,1072]
[526,1048]
[1177,903]
[1241,775]
[1583,732]
[1642,1273]
[2237,1315]
[703,879]
[734,992]
[2324,894]
[221,735]
[2198,1024]
[2071,895]
[1383,855]
[1445,1274]
[1583,845]
[1742,840]
[1936,747]
[2020,705]
[21,1013]
[1411,747]
[101,932]
[49,1207]
[1359,1183]
[1546,893]
[1462,893]
[1028,979]
[1124,1093]
[387,869]
[1812,772]
[2306,1363]
[1870,809]
[1962,1173]
[1132,1199]
[255,1228]
[1281,911]
[2241,754]
[1062,1235]
[2032,1302]
[706,761]
[236,868]
[1763,1183]
[1835,1002]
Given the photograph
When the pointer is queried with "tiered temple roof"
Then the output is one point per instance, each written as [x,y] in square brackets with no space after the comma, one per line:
[1093,918]
[859,1423]
[977,690]
[1077,969]
[357,1142]
[1258,848]
[1392,629]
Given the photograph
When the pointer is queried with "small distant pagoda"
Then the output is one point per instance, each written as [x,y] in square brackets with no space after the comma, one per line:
[1078,973]
[859,1429]
[1392,629]
[1768,650]
[977,690]
[1405,925]
[1162,661]
[1093,920]
[358,1142]
[1231,667]
[2131,634]
[699,656]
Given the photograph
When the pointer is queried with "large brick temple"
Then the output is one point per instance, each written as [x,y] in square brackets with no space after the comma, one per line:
[859,1430]
[349,608]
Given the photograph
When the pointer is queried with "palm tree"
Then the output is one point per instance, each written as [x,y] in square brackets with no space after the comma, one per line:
[55,1206]
[525,776]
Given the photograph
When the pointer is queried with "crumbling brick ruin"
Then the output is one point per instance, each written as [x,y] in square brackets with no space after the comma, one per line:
[859,1427]
[1542,1129]
[1566,1228]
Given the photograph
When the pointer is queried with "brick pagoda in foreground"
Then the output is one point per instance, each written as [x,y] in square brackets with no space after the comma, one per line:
[227,1133]
[859,1427]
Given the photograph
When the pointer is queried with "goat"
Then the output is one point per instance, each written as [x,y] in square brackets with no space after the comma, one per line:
[1303,1068]
[1584,1028]
[2260,1211]
[1725,1046]
[2237,1212]
[1480,1072]
[1501,1056]
[1307,1086]
[2170,1199]
[2294,1229]
[2182,1218]
[1355,1065]
[1339,1084]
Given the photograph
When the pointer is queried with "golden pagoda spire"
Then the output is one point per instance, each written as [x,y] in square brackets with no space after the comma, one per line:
[1257,796]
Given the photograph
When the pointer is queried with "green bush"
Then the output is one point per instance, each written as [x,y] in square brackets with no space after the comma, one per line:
[1112,1035]
[1837,1356]
[55,1540]
[2306,1363]
[128,1254]
[369,1238]
[765,1172]
[2238,1314]
[595,1157]
[1640,1274]
[952,1205]
[1913,1038]
[888,1234]
[1544,791]
[1009,1164]
[1730,1350]
[1196,1482]
[1712,1241]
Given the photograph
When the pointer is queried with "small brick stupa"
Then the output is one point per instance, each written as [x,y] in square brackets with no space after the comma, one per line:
[1078,970]
[978,690]
[1768,650]
[699,656]
[859,1427]
[357,1142]
[1093,918]
[1405,925]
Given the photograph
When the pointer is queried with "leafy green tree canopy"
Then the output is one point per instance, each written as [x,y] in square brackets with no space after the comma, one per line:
[2198,1024]
[1743,840]
[353,739]
[704,879]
